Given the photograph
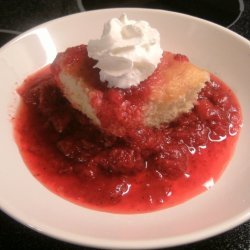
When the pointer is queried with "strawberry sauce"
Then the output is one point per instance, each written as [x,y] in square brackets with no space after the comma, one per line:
[150,170]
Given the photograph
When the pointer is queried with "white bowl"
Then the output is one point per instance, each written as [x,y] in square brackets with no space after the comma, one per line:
[225,206]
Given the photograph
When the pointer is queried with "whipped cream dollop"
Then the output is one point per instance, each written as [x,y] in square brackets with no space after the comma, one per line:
[127,53]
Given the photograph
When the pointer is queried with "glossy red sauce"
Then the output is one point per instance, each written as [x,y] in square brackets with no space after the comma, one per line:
[152,169]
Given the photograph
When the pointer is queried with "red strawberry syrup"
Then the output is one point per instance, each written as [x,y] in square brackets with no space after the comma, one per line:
[151,169]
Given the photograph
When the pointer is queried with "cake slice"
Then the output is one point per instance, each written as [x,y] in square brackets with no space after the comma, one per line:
[170,91]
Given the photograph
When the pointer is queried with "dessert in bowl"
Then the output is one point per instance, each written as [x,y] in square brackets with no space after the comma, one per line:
[149,125]
[174,151]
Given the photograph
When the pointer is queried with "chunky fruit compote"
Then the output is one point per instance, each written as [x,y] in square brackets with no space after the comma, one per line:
[147,169]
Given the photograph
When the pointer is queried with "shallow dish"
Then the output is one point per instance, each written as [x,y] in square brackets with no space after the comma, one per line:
[224,206]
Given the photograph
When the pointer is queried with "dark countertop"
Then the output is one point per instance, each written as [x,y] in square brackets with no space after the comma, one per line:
[26,14]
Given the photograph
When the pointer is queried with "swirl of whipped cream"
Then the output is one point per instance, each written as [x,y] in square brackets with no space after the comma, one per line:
[128,52]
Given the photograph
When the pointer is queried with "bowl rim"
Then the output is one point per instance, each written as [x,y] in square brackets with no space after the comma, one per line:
[25,33]
[103,243]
